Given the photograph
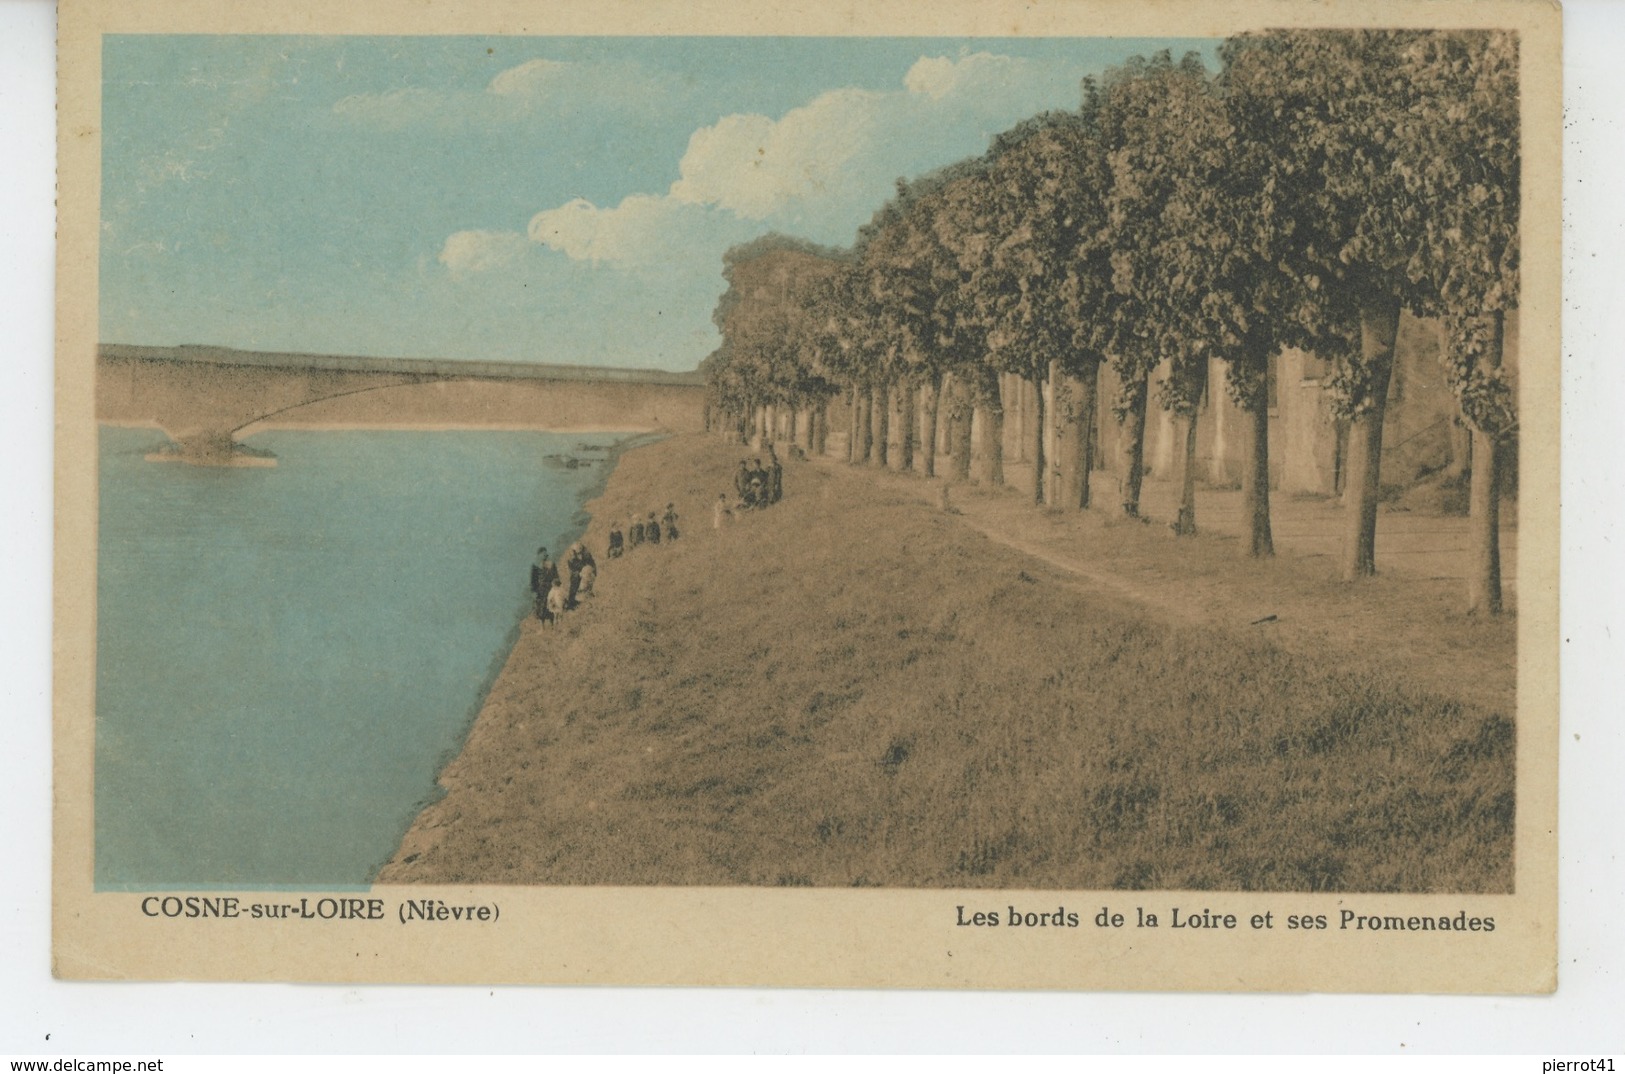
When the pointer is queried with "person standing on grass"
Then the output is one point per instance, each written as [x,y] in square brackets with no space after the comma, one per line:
[671,522]
[634,536]
[720,513]
[758,485]
[543,573]
[589,577]
[616,541]
[651,530]
[573,564]
[742,482]
[555,601]
[775,479]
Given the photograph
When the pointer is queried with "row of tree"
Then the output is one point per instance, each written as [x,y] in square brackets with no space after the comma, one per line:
[1319,184]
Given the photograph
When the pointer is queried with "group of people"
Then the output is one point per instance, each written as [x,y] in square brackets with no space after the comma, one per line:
[757,485]
[650,531]
[557,592]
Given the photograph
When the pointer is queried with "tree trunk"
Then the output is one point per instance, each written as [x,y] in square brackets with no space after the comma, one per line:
[1086,403]
[1379,325]
[1078,444]
[1185,523]
[928,434]
[1484,500]
[880,406]
[1069,434]
[1014,389]
[1037,423]
[1255,476]
[990,405]
[1055,487]
[854,438]
[911,420]
[1135,424]
[851,404]
[866,428]
[963,411]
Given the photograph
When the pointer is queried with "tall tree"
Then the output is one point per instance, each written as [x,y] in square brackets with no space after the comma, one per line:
[923,329]
[768,316]
[1167,136]
[1089,292]
[839,338]
[1354,185]
[1029,274]
[1470,102]
[1254,302]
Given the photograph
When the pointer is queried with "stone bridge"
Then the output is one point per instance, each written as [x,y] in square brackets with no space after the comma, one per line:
[205,398]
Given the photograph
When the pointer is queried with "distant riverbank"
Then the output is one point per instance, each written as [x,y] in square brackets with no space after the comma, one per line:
[854,687]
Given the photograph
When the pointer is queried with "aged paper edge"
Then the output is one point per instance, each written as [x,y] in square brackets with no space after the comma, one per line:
[729,936]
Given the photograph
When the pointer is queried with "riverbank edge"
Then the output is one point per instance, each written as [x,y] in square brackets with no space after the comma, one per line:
[580,520]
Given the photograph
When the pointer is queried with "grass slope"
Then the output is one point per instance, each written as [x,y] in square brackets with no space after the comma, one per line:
[853,688]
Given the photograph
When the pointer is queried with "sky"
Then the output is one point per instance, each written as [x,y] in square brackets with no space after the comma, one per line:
[557,199]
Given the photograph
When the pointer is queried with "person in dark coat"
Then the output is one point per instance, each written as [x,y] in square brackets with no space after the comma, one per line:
[775,476]
[573,562]
[651,530]
[634,536]
[758,485]
[616,541]
[671,522]
[742,482]
[543,573]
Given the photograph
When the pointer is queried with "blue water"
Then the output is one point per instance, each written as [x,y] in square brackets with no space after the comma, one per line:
[287,655]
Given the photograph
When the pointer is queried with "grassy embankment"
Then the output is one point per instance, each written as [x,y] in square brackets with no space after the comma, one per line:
[854,688]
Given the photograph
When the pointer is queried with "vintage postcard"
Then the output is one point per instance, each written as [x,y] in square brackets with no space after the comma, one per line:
[968,495]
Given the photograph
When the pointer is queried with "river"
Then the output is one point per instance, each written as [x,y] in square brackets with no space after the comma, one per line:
[287,655]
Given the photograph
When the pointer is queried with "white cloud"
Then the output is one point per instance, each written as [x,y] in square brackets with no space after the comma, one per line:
[937,76]
[819,171]
[643,230]
[585,232]
[755,166]
[824,167]
[469,252]
[529,78]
